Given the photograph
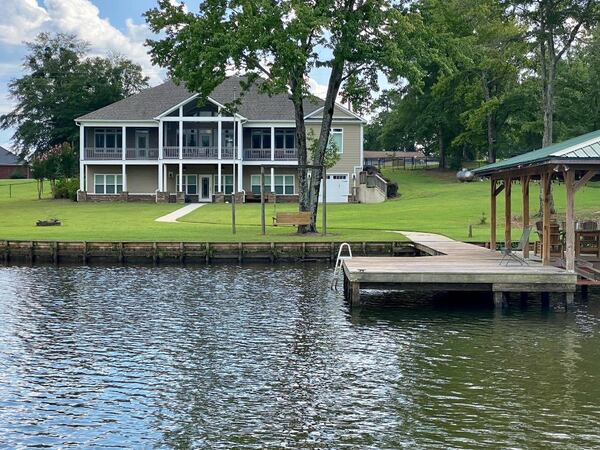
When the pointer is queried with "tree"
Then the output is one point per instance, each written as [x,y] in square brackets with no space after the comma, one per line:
[277,44]
[554,26]
[60,84]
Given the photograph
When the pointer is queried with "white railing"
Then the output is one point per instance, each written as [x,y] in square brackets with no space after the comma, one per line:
[102,153]
[262,154]
[189,152]
[142,153]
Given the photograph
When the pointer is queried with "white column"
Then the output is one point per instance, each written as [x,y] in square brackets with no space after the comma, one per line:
[180,187]
[240,176]
[160,139]
[181,139]
[159,170]
[219,142]
[272,179]
[123,144]
[81,157]
[240,139]
[124,175]
[87,176]
[219,188]
[165,180]
[273,143]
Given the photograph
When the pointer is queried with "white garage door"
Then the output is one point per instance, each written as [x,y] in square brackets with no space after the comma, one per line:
[338,185]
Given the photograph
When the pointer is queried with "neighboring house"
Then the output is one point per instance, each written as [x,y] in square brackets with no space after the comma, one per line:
[11,165]
[160,145]
[381,158]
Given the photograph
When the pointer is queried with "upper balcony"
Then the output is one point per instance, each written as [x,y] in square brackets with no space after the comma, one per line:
[278,154]
[106,154]
[196,152]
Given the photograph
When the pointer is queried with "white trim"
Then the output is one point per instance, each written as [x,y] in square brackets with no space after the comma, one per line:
[335,121]
[119,123]
[185,102]
[104,183]
[269,123]
[574,148]
[208,119]
[341,131]
[185,185]
[272,181]
[336,105]
[273,143]
[269,163]
[123,142]
[362,144]
[130,162]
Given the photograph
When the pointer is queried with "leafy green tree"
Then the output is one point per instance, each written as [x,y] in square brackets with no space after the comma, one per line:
[277,44]
[60,84]
[554,27]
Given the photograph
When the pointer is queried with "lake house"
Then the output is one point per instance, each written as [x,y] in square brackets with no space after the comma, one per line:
[163,145]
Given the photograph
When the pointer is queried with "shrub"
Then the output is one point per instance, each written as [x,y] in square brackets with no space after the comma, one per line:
[66,188]
[17,175]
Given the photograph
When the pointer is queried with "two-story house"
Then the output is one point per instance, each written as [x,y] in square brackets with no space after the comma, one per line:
[162,145]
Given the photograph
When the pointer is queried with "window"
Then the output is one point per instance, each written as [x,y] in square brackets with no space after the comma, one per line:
[109,139]
[336,136]
[260,139]
[284,184]
[285,138]
[190,184]
[141,139]
[226,183]
[108,183]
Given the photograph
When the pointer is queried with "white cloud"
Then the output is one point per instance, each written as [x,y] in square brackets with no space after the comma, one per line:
[19,19]
[23,19]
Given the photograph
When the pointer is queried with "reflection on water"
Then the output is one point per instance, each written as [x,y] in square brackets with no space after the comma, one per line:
[261,356]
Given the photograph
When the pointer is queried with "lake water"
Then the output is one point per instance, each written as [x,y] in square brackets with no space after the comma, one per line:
[268,357]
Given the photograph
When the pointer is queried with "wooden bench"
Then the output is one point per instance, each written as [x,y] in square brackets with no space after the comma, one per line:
[292,218]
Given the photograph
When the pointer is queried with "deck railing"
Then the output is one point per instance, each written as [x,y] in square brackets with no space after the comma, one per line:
[142,153]
[172,152]
[261,154]
[103,153]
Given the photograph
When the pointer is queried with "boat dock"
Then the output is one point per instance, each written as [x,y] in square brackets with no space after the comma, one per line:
[454,266]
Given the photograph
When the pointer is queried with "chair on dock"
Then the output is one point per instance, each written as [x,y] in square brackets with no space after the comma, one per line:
[508,253]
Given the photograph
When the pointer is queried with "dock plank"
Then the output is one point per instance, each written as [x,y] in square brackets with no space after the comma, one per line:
[455,264]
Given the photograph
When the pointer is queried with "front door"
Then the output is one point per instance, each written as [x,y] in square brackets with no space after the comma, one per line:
[204,188]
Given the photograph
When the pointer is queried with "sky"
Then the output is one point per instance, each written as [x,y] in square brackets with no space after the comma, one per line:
[115,26]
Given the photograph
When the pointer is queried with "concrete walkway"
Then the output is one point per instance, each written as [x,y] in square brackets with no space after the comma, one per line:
[178,214]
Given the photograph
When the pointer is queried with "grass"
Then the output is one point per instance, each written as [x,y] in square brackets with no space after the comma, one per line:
[431,201]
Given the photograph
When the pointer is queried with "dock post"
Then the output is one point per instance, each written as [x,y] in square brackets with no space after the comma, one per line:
[584,291]
[524,298]
[569,299]
[498,299]
[545,300]
[355,293]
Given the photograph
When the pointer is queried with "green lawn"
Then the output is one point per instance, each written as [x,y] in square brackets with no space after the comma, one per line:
[431,201]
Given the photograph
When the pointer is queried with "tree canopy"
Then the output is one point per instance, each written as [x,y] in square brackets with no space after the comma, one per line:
[519,75]
[60,83]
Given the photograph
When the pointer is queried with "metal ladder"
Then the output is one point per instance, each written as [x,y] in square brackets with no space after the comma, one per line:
[338,264]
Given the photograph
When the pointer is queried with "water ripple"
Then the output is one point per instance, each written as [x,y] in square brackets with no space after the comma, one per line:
[268,357]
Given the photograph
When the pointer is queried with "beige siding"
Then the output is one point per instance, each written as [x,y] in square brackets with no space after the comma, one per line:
[350,157]
[142,179]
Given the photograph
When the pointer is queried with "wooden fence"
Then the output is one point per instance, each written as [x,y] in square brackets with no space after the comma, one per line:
[189,252]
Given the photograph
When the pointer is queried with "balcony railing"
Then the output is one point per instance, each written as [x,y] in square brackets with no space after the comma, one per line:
[103,153]
[261,154]
[142,153]
[172,152]
[94,153]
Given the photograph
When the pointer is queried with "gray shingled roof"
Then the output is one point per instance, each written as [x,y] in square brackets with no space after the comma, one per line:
[8,159]
[151,102]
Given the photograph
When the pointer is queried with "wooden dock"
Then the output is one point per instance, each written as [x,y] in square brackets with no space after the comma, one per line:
[453,266]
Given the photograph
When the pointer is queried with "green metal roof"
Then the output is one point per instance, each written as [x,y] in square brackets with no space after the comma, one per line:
[586,146]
